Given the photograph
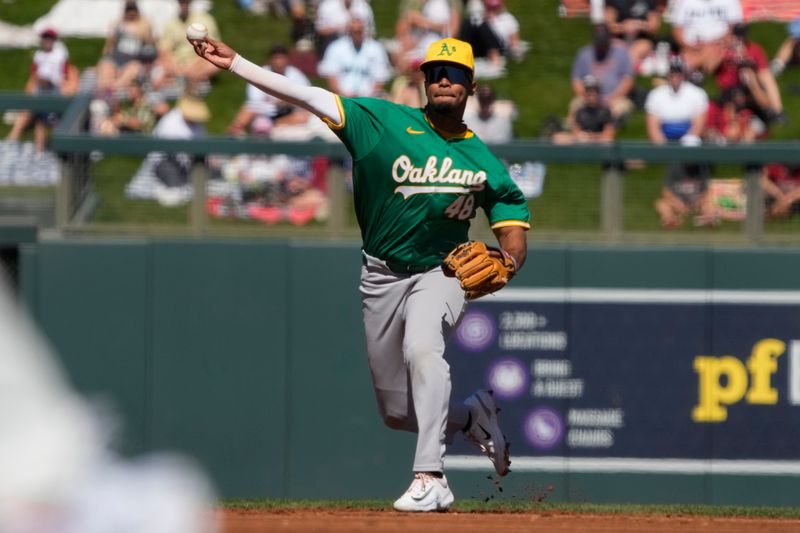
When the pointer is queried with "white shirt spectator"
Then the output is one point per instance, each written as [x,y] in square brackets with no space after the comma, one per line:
[504,25]
[676,107]
[51,66]
[262,103]
[334,15]
[356,71]
[174,126]
[706,21]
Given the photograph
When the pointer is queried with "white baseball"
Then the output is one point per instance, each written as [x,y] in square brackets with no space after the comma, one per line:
[196,32]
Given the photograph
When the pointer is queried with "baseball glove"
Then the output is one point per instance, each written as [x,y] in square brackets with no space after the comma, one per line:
[481,270]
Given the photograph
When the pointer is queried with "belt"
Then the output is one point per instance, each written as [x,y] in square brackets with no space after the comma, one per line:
[402,268]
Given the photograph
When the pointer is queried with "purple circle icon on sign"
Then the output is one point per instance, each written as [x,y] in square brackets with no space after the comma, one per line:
[476,331]
[544,428]
[508,377]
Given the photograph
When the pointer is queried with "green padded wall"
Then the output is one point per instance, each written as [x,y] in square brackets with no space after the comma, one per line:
[91,300]
[219,343]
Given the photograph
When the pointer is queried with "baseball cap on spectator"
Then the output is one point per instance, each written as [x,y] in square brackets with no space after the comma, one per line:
[493,4]
[49,33]
[740,30]
[193,108]
[676,64]
[131,5]
[794,28]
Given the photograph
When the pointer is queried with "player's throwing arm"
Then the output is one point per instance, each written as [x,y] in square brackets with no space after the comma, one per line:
[319,101]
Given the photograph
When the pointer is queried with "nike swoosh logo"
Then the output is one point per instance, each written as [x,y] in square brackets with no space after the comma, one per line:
[413,131]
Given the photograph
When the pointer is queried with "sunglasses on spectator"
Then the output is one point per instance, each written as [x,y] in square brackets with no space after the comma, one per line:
[452,73]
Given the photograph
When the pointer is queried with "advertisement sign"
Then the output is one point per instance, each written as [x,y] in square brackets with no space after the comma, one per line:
[637,380]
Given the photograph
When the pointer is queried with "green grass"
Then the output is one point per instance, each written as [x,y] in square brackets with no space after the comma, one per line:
[530,507]
[540,86]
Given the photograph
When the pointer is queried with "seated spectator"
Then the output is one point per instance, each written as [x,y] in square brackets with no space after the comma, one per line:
[592,122]
[134,114]
[781,185]
[744,64]
[421,22]
[185,121]
[635,24]
[333,18]
[684,193]
[676,110]
[261,112]
[492,31]
[51,73]
[121,60]
[176,57]
[490,119]
[701,28]
[409,88]
[789,52]
[731,121]
[355,65]
[611,65]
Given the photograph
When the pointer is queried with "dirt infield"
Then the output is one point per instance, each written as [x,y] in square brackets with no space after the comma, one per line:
[252,521]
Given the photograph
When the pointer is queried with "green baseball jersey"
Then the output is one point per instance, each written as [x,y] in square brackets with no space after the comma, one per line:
[415,189]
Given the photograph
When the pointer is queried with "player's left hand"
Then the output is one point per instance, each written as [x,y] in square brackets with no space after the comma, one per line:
[481,270]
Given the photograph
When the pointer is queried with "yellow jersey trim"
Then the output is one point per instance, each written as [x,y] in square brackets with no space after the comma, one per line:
[447,134]
[507,223]
[332,125]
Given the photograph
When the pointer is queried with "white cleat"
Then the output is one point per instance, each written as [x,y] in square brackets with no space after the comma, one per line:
[426,493]
[485,430]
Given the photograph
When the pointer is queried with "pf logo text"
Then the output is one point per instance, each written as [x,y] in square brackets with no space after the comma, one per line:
[726,380]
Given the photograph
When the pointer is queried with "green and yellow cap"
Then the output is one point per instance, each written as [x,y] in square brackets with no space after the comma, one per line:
[450,50]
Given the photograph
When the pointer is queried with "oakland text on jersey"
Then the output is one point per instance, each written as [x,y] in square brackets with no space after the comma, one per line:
[404,170]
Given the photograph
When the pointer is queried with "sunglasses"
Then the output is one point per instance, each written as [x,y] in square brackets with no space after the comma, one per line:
[453,74]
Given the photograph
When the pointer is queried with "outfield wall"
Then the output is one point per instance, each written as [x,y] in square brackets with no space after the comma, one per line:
[627,374]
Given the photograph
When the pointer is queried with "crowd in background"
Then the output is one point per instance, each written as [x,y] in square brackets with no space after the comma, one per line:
[703,80]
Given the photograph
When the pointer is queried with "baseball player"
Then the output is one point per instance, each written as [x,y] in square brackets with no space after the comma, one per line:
[419,176]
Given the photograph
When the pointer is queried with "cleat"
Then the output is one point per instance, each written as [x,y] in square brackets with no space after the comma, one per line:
[427,493]
[485,432]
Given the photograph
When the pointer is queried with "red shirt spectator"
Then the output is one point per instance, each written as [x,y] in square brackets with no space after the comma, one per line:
[749,53]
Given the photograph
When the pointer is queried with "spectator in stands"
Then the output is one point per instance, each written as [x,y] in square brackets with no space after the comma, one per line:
[492,31]
[121,60]
[676,111]
[781,185]
[333,18]
[135,113]
[421,22]
[261,112]
[185,121]
[409,87]
[176,57]
[635,24]
[491,119]
[789,51]
[702,28]
[51,73]
[355,65]
[730,120]
[611,65]
[592,122]
[745,64]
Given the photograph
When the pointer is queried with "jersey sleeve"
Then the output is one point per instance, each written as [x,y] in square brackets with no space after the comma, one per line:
[361,128]
[505,203]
